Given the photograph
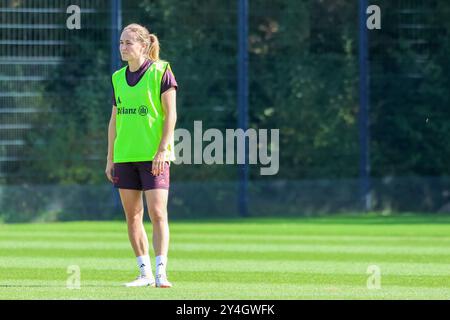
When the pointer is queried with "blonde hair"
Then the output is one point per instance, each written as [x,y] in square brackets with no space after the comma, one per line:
[144,36]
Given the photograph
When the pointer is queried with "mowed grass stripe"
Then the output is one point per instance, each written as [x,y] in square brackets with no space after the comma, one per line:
[118,277]
[211,290]
[225,255]
[258,227]
[236,239]
[181,235]
[336,267]
[242,247]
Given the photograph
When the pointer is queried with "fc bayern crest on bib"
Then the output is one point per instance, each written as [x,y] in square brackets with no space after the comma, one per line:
[143,110]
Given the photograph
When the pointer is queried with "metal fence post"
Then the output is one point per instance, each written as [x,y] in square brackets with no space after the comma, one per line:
[364,100]
[243,101]
[116,26]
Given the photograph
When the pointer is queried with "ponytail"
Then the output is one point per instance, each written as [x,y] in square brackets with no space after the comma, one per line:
[153,51]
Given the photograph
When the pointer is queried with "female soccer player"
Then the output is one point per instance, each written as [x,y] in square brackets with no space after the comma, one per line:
[141,146]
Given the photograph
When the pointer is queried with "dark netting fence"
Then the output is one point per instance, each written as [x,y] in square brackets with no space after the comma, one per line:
[303,79]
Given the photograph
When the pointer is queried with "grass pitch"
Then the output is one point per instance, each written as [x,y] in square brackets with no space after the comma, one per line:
[305,258]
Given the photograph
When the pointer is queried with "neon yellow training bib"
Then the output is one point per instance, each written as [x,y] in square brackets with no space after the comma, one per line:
[140,116]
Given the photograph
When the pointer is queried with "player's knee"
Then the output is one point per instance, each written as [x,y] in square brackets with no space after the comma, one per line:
[159,215]
[134,215]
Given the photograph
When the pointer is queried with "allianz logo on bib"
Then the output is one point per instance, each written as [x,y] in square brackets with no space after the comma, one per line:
[142,110]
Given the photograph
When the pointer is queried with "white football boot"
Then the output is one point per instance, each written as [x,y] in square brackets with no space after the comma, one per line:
[142,281]
[162,282]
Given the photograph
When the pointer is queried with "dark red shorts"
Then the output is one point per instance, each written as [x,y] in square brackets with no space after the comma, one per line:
[138,176]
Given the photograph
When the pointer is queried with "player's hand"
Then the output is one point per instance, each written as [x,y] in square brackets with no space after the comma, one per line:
[158,163]
[108,170]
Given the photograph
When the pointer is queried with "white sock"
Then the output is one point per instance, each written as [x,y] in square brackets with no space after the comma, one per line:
[161,262]
[144,265]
